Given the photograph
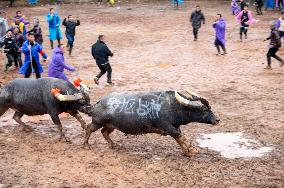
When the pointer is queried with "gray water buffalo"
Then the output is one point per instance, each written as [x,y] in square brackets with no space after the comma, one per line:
[34,97]
[151,112]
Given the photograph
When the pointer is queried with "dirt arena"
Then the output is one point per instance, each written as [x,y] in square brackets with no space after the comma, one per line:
[154,50]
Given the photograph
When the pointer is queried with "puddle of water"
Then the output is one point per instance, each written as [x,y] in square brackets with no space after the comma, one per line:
[233,145]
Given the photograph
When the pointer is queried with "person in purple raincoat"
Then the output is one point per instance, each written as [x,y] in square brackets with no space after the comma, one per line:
[57,64]
[220,30]
[235,9]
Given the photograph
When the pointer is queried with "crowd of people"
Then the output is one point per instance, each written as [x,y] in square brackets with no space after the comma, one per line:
[19,40]
[244,17]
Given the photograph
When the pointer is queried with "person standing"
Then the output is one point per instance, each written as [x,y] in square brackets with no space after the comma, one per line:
[280,25]
[10,48]
[101,53]
[242,4]
[220,31]
[53,20]
[19,39]
[12,3]
[70,23]
[235,9]
[3,25]
[259,4]
[274,45]
[21,26]
[244,18]
[37,31]
[196,18]
[31,50]
[57,64]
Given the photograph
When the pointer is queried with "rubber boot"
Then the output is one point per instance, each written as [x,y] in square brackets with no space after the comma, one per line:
[70,51]
[51,44]
[224,50]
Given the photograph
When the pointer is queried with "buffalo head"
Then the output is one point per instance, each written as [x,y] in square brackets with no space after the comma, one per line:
[200,110]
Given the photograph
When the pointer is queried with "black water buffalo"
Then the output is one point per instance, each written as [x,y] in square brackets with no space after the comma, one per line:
[34,97]
[154,112]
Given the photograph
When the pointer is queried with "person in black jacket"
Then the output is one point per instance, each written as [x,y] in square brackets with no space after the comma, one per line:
[274,45]
[10,48]
[70,25]
[259,4]
[242,4]
[36,30]
[196,18]
[19,39]
[101,52]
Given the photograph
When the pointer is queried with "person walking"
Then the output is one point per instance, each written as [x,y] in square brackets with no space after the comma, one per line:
[220,31]
[259,4]
[31,50]
[196,18]
[70,23]
[244,18]
[53,20]
[274,45]
[101,53]
[57,64]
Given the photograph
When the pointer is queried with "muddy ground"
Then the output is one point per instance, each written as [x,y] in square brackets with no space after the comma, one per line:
[154,50]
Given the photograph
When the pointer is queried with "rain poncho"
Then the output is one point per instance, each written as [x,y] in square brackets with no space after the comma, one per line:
[35,51]
[3,28]
[57,65]
[250,17]
[54,27]
[269,4]
[32,2]
[235,9]
[220,30]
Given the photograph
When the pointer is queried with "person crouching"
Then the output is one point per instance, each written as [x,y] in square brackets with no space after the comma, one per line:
[57,64]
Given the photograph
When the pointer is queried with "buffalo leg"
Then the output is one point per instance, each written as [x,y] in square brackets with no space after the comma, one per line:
[188,150]
[79,118]
[57,122]
[176,134]
[106,132]
[89,129]
[17,117]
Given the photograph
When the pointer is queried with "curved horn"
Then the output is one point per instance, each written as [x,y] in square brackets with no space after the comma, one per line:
[66,98]
[187,103]
[192,94]
[60,97]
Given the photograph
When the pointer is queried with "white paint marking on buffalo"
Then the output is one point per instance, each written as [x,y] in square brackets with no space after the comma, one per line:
[233,145]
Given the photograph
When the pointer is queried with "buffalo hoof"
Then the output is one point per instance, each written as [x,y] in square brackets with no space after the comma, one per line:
[86,146]
[63,138]
[192,151]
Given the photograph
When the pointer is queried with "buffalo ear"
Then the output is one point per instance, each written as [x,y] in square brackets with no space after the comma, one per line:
[204,101]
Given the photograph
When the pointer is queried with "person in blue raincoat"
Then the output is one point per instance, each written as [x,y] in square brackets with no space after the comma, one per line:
[31,50]
[269,4]
[177,3]
[32,2]
[54,27]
